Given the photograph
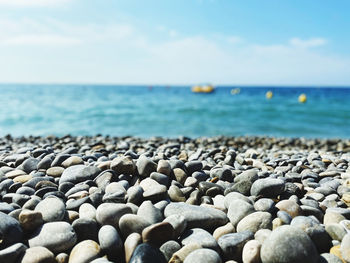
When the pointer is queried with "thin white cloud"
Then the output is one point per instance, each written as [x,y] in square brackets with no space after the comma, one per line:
[31,3]
[51,32]
[308,43]
[123,53]
[44,40]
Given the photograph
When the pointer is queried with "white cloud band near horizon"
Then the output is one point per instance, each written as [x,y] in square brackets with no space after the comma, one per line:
[55,51]
[32,3]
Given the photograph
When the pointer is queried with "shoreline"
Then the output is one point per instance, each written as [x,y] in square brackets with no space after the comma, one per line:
[208,199]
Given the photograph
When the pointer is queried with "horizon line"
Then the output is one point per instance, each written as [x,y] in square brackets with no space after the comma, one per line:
[178,85]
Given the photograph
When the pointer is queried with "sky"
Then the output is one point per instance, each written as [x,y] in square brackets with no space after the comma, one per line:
[175,42]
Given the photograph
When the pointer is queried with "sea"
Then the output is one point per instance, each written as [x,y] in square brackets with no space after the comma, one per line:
[172,111]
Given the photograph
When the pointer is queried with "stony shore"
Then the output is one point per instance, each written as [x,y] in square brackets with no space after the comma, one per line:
[206,200]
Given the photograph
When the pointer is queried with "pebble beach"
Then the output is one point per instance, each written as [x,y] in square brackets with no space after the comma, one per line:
[100,199]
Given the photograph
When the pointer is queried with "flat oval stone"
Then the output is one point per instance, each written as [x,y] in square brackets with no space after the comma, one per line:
[73,160]
[55,171]
[110,242]
[197,216]
[10,230]
[84,252]
[255,221]
[110,213]
[38,255]
[267,187]
[203,255]
[79,173]
[52,209]
[55,236]
[146,253]
[288,244]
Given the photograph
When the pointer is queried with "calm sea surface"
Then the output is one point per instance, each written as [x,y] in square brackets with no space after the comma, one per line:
[172,111]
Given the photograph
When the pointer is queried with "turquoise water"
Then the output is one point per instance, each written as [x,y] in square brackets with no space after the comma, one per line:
[172,111]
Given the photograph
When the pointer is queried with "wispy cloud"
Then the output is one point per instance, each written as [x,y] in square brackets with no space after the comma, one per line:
[51,32]
[307,43]
[31,3]
[125,53]
[45,40]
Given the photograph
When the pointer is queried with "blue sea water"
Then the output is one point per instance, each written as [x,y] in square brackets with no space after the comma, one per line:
[172,111]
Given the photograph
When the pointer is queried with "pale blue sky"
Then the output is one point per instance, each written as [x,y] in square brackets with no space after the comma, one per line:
[255,42]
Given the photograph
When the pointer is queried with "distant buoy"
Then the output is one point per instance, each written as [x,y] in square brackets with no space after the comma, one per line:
[235,91]
[302,98]
[269,94]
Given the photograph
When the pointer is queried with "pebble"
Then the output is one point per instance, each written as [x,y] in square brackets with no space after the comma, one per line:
[178,222]
[288,244]
[84,252]
[203,255]
[85,228]
[200,236]
[223,230]
[13,253]
[345,248]
[255,221]
[180,255]
[147,253]
[251,252]
[237,210]
[197,216]
[123,165]
[10,230]
[55,236]
[158,233]
[267,187]
[131,223]
[51,208]
[79,173]
[145,166]
[38,255]
[110,242]
[130,244]
[30,220]
[110,213]
[169,248]
[232,244]
[289,206]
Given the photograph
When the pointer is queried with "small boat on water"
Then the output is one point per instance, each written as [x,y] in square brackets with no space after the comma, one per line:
[203,89]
